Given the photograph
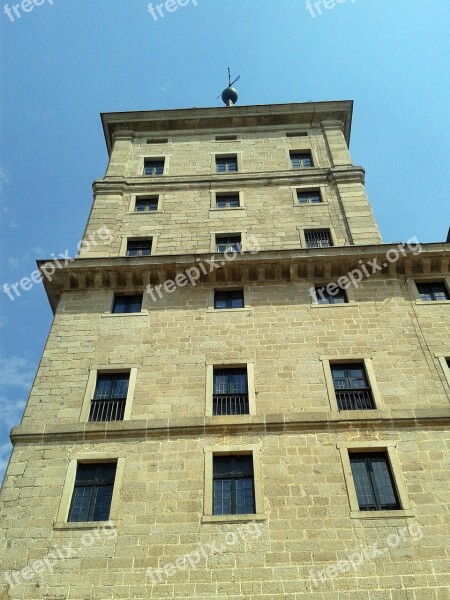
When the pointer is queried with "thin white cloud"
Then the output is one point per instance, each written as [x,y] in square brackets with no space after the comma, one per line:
[11,411]
[17,372]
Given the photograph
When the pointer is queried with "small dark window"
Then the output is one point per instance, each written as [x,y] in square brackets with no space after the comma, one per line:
[228,299]
[233,485]
[226,164]
[226,138]
[157,141]
[296,134]
[127,304]
[227,201]
[108,403]
[352,387]
[230,394]
[228,243]
[92,494]
[433,291]
[154,166]
[309,197]
[374,483]
[139,247]
[146,204]
[301,160]
[325,297]
[318,238]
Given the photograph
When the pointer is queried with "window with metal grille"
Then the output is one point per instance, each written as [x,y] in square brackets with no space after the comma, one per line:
[233,485]
[108,403]
[228,299]
[301,160]
[230,392]
[325,297]
[433,291]
[318,238]
[227,201]
[146,204]
[375,488]
[309,197]
[228,243]
[352,387]
[127,304]
[92,493]
[226,164]
[154,166]
[139,247]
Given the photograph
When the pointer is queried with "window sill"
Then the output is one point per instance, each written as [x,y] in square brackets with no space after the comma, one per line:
[143,313]
[64,526]
[232,518]
[231,209]
[381,514]
[429,302]
[144,212]
[342,305]
[299,205]
[227,310]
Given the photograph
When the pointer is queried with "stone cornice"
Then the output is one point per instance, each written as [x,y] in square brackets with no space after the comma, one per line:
[358,422]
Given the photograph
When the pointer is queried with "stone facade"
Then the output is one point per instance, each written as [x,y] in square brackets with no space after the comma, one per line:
[307,535]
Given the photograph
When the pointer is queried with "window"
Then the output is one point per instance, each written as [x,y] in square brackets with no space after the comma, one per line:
[154,166]
[92,493]
[351,387]
[301,160]
[228,299]
[433,291]
[110,396]
[228,243]
[146,204]
[296,134]
[309,197]
[227,201]
[318,238]
[374,484]
[233,485]
[139,247]
[157,141]
[230,392]
[226,164]
[323,296]
[127,304]
[226,138]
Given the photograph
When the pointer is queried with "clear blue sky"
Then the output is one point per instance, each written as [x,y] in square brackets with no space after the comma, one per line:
[64,63]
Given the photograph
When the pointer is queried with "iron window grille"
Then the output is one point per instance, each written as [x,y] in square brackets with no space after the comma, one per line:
[146,204]
[229,299]
[228,243]
[127,304]
[324,297]
[301,160]
[351,387]
[227,201]
[139,247]
[433,291]
[374,483]
[92,494]
[318,238]
[154,167]
[233,485]
[108,403]
[309,197]
[226,164]
[230,392]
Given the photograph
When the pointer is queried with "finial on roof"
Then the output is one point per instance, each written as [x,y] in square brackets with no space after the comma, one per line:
[229,94]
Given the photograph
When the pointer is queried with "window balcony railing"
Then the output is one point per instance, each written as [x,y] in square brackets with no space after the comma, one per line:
[355,399]
[230,404]
[107,410]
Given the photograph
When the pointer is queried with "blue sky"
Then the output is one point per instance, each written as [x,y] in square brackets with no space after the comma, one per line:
[67,61]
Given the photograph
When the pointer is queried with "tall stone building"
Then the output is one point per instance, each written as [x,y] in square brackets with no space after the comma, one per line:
[244,392]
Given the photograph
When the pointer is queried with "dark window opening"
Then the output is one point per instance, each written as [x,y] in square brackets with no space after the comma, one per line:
[233,485]
[146,204]
[351,386]
[154,167]
[375,488]
[127,304]
[318,238]
[230,392]
[228,243]
[139,247]
[301,160]
[227,201]
[92,494]
[309,197]
[325,297]
[226,164]
[108,403]
[228,299]
[433,291]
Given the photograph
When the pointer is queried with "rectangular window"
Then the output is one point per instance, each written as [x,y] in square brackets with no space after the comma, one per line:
[230,392]
[146,204]
[228,243]
[92,494]
[325,297]
[157,141]
[318,238]
[227,200]
[374,484]
[301,160]
[233,485]
[228,299]
[127,304]
[351,386]
[226,138]
[433,291]
[139,247]
[110,396]
[154,166]
[297,134]
[226,164]
[309,197]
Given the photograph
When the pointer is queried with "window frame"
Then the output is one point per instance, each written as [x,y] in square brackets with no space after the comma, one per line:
[209,390]
[91,387]
[228,291]
[304,152]
[224,156]
[117,295]
[143,198]
[412,284]
[237,234]
[233,479]
[230,371]
[151,239]
[96,485]
[346,366]
[154,159]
